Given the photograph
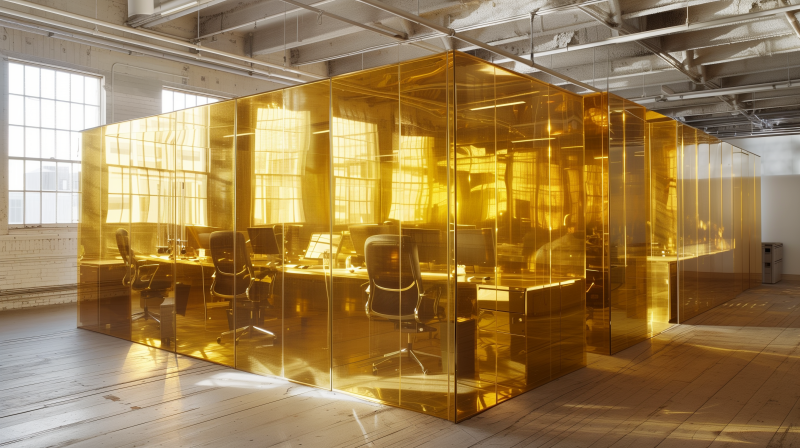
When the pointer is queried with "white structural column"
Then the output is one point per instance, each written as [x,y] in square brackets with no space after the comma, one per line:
[4,147]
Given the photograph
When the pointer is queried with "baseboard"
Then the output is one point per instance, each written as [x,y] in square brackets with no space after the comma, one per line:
[32,297]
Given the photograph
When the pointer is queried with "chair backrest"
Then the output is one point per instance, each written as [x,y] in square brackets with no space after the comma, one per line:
[233,272]
[394,275]
[124,247]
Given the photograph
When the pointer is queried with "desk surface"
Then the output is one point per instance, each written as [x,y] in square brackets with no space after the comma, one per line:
[525,281]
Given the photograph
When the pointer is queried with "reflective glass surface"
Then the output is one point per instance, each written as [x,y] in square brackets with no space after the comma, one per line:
[440,234]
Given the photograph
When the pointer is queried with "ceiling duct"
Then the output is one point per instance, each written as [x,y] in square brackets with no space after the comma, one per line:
[139,8]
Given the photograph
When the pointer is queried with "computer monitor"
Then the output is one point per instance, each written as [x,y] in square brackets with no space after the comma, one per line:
[265,240]
[475,247]
[197,236]
[360,232]
[321,243]
[294,245]
[430,246]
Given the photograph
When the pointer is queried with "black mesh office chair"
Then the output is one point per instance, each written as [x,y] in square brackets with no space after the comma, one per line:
[395,292]
[234,278]
[141,278]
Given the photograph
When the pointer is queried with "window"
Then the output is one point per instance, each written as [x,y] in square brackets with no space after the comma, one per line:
[355,171]
[172,100]
[165,156]
[282,139]
[47,110]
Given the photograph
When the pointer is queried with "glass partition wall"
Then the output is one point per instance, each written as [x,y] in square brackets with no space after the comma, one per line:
[629,221]
[440,234]
[672,221]
[411,234]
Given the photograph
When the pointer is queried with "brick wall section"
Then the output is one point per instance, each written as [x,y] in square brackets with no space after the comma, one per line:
[38,268]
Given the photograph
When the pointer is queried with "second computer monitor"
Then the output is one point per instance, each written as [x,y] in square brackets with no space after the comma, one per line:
[430,245]
[320,244]
[475,247]
[265,240]
[360,232]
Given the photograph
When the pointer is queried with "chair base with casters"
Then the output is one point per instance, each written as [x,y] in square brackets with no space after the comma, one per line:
[148,299]
[250,329]
[409,350]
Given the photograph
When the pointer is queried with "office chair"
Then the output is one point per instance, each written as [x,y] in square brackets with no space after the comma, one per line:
[141,278]
[395,292]
[233,281]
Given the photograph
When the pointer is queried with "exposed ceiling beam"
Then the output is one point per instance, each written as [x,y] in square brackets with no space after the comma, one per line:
[453,33]
[122,48]
[309,53]
[679,66]
[397,35]
[636,36]
[792,19]
[172,10]
[267,17]
[143,33]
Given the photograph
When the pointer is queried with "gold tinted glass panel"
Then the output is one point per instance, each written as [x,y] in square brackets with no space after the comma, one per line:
[89,230]
[392,290]
[519,234]
[282,192]
[596,129]
[631,225]
[204,203]
[662,243]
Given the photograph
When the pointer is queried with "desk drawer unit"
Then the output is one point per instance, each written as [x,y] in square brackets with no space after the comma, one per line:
[511,323]
[511,300]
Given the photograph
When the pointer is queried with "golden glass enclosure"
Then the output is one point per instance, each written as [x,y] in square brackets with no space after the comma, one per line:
[673,222]
[440,234]
[411,234]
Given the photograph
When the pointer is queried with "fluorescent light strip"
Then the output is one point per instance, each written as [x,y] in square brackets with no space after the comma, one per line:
[238,135]
[532,140]
[321,132]
[499,105]
[602,157]
[179,8]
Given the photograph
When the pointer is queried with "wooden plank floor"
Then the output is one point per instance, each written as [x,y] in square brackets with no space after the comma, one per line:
[728,378]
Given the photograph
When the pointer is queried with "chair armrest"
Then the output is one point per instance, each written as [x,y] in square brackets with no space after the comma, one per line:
[427,310]
[261,273]
[147,273]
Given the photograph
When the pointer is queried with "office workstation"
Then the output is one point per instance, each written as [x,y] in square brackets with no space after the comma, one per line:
[410,234]
[440,234]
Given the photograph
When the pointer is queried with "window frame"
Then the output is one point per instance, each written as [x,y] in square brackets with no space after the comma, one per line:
[7,126]
[164,88]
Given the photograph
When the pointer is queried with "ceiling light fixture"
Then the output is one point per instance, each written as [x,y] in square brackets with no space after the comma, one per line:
[532,140]
[499,105]
[238,135]
[321,132]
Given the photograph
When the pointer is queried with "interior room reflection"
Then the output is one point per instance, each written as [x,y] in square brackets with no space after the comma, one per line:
[440,234]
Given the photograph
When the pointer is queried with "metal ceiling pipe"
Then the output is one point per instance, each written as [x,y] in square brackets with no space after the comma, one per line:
[397,35]
[255,22]
[723,91]
[111,46]
[637,36]
[453,33]
[134,42]
[793,22]
[420,38]
[142,33]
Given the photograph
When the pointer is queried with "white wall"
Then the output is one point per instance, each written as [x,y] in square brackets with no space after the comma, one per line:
[38,266]
[780,193]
